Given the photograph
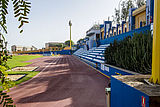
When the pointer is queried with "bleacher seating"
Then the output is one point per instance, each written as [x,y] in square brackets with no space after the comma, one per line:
[94,55]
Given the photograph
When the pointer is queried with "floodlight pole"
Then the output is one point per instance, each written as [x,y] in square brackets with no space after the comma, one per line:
[155,78]
[70,24]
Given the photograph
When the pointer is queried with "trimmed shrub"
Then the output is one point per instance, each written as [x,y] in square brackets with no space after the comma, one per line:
[132,53]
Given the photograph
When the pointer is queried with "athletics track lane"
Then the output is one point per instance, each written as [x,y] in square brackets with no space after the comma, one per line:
[64,81]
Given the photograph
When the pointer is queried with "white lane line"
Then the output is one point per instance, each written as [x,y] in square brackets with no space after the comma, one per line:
[37,74]
[44,68]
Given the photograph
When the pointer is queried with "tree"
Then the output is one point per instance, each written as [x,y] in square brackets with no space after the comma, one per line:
[21,10]
[117,16]
[67,43]
[126,5]
[55,44]
[140,3]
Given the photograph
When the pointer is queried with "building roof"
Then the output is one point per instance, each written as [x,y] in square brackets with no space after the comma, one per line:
[90,34]
[139,10]
[94,27]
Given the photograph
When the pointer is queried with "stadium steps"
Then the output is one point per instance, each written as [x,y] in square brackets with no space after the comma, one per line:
[95,54]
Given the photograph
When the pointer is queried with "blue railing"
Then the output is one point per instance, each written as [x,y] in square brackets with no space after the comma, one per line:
[63,52]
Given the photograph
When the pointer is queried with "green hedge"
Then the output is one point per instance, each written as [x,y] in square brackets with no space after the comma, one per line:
[132,53]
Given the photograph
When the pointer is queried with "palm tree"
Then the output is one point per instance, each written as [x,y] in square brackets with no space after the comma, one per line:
[21,10]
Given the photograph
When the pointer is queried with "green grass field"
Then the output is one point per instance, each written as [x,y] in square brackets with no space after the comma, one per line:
[18,61]
[30,74]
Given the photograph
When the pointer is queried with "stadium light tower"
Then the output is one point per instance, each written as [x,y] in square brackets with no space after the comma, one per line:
[70,24]
[155,78]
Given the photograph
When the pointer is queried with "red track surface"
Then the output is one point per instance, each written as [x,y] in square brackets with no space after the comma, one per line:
[64,81]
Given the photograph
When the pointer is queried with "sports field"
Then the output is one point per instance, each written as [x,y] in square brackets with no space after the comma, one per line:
[64,81]
[19,60]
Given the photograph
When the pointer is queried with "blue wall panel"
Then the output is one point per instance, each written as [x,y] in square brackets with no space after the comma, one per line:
[63,52]
[123,95]
[112,71]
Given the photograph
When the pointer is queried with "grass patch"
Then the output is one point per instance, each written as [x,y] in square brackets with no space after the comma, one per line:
[18,61]
[29,75]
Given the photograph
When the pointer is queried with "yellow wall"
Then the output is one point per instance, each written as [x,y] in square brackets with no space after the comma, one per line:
[67,48]
[138,18]
[40,50]
[102,33]
[114,31]
[126,25]
[53,49]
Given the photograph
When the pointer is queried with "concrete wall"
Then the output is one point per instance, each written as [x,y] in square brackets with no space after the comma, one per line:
[91,41]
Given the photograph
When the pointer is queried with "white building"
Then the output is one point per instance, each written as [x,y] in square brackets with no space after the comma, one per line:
[15,48]
[94,35]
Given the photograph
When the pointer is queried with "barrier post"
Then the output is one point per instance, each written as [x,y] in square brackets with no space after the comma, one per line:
[70,24]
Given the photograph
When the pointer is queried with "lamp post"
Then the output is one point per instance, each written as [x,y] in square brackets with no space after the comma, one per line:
[70,24]
[43,50]
[119,8]
[155,78]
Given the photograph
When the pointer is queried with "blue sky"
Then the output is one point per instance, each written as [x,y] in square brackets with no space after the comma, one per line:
[49,20]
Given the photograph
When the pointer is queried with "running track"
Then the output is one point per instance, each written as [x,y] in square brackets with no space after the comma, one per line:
[64,81]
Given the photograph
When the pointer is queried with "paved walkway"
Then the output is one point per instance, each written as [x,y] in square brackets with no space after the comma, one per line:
[64,81]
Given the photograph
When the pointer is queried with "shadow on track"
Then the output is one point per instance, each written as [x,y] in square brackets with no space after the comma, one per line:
[68,80]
